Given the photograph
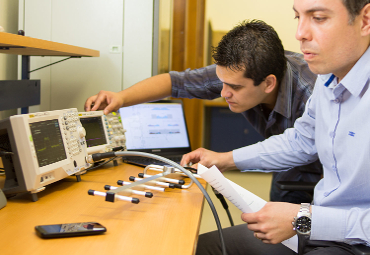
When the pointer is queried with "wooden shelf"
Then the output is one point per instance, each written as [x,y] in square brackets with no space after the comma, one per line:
[28,46]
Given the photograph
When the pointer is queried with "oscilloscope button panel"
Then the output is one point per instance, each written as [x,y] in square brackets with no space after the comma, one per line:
[115,129]
[71,125]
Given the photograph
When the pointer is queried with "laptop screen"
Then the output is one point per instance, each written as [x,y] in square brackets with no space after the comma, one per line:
[155,127]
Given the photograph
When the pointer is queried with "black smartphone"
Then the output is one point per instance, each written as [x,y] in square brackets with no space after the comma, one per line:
[70,229]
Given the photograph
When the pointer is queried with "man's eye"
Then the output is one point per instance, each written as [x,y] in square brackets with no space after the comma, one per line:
[319,19]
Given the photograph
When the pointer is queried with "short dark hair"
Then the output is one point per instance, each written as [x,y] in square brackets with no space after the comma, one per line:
[252,46]
[354,8]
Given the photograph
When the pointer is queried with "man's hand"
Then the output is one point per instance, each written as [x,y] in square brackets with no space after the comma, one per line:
[224,161]
[104,100]
[273,223]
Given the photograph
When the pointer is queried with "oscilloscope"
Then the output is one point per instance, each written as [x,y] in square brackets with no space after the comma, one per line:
[103,132]
[41,148]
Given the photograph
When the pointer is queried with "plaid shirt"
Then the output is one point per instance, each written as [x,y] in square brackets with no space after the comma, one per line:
[294,90]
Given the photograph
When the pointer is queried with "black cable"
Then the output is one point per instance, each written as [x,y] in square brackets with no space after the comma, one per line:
[3,153]
[192,170]
[99,156]
[229,216]
[100,165]
[119,148]
[218,195]
[106,162]
[224,205]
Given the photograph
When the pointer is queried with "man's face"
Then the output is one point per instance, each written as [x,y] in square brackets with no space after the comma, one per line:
[239,92]
[329,43]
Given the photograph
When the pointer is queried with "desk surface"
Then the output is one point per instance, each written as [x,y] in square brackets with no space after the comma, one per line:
[168,223]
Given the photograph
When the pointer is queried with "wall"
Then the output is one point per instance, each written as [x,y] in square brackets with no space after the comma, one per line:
[8,63]
[120,30]
[224,15]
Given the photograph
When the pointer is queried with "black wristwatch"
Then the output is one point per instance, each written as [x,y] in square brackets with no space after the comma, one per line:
[302,223]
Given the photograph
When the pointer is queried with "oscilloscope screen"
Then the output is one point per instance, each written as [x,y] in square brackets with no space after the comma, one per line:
[95,134]
[48,142]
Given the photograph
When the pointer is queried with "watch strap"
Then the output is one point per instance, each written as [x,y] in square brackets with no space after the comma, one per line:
[304,210]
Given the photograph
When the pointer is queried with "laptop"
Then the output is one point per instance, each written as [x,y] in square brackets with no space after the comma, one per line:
[158,128]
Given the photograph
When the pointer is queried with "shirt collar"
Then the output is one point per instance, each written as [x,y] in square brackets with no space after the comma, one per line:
[283,103]
[357,77]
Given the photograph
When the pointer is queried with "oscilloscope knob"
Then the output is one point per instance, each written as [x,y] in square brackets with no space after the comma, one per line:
[81,131]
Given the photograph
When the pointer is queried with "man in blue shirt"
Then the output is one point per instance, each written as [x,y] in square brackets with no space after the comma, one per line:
[267,85]
[335,40]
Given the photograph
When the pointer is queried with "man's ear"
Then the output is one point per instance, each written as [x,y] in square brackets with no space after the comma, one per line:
[365,14]
[270,83]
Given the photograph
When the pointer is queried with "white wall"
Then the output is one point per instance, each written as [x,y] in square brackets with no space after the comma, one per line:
[224,15]
[137,41]
[8,63]
[9,21]
[101,25]
[90,24]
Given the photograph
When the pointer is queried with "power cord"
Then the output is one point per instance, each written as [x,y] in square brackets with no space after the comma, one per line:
[192,170]
[106,162]
[224,205]
[218,195]
[99,156]
[100,165]
[3,153]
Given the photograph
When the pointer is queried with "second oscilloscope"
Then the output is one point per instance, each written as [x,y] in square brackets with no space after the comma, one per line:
[103,132]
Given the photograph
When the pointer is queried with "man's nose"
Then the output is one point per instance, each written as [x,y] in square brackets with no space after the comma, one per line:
[225,92]
[303,30]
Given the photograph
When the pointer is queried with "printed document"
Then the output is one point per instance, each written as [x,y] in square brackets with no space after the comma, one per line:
[244,200]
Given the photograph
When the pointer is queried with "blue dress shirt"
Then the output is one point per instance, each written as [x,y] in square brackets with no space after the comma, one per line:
[335,127]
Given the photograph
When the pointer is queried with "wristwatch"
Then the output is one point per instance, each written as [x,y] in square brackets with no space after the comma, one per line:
[302,223]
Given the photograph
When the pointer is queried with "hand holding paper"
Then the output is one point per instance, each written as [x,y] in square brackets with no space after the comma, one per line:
[244,200]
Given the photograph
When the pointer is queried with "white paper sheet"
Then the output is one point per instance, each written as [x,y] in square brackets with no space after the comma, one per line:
[244,200]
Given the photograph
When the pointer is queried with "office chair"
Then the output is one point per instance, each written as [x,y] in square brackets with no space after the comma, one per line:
[309,188]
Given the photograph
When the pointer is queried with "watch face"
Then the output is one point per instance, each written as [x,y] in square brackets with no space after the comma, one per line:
[303,224]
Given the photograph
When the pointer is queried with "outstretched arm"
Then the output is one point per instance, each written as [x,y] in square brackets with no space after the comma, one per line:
[151,89]
[223,160]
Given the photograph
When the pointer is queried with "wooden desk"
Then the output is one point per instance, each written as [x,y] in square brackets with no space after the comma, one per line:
[168,223]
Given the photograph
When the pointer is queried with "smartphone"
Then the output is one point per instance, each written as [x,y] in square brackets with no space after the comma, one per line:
[70,229]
